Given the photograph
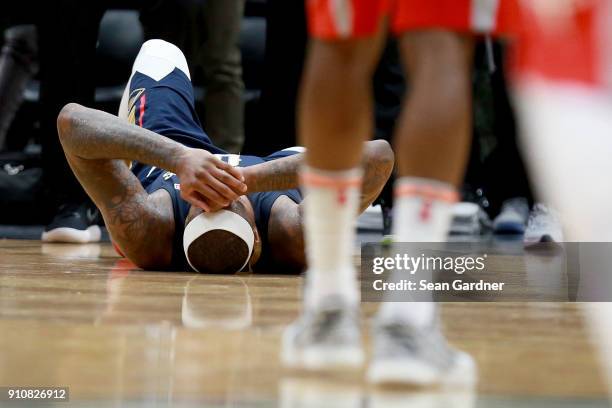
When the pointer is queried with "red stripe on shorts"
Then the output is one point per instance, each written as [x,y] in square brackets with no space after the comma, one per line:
[141,113]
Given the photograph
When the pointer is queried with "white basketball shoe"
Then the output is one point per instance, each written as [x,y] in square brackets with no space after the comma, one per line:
[327,337]
[404,354]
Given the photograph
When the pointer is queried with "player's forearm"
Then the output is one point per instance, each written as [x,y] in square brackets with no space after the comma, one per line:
[280,174]
[93,134]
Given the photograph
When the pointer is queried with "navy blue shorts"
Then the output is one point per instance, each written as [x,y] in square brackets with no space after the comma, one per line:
[167,107]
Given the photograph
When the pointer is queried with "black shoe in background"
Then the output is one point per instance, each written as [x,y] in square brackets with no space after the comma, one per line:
[74,223]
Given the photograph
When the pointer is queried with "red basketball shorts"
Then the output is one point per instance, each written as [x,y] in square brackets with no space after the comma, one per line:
[346,19]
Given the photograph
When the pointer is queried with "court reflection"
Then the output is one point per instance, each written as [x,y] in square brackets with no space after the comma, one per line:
[204,344]
[306,392]
[72,251]
[214,305]
[547,273]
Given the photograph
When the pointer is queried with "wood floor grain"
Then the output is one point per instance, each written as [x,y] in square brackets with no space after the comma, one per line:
[79,316]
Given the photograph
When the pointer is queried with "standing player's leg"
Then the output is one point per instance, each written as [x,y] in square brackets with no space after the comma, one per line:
[434,133]
[432,144]
[334,119]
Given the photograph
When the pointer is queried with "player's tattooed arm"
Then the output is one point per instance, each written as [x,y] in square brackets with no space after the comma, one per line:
[280,174]
[141,225]
[206,181]
[92,134]
[285,227]
[283,174]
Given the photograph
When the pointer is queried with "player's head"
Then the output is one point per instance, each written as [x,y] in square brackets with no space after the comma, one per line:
[225,241]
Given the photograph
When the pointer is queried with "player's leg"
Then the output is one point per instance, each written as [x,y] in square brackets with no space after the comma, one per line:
[159,96]
[434,133]
[334,119]
[285,226]
[156,59]
[432,144]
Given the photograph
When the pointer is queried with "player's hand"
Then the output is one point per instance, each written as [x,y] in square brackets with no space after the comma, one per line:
[208,182]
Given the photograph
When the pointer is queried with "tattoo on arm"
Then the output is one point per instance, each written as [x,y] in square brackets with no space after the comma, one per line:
[280,174]
[92,134]
[95,144]
[283,174]
[141,227]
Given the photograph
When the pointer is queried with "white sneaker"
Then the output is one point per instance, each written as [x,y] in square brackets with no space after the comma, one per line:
[404,354]
[543,226]
[326,338]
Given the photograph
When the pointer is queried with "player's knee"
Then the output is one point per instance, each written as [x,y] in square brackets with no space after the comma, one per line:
[439,63]
[454,91]
[157,58]
[451,105]
[451,86]
[345,59]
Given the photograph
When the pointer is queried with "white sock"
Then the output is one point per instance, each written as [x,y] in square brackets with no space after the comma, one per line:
[422,210]
[422,213]
[330,209]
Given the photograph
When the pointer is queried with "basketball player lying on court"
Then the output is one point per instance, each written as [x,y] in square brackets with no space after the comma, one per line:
[171,199]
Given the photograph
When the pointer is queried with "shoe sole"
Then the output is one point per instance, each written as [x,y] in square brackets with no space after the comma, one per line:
[324,359]
[404,372]
[411,372]
[71,251]
[73,235]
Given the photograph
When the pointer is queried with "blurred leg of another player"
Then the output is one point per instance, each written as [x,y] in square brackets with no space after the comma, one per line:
[563,87]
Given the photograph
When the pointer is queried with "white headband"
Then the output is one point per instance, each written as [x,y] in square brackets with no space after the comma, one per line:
[220,220]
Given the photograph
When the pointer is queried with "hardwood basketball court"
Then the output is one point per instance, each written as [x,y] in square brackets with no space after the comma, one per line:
[79,316]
